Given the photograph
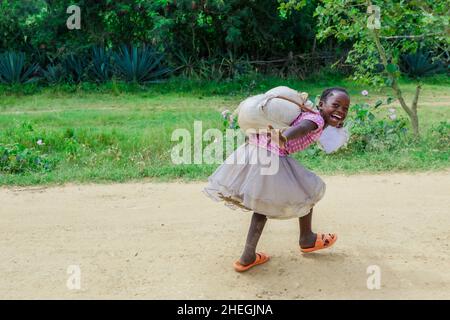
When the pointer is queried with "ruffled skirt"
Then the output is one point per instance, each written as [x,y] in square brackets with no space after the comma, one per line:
[253,178]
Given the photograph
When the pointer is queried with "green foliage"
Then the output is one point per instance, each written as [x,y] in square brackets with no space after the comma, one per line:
[405,26]
[440,135]
[17,158]
[219,37]
[253,28]
[13,69]
[286,7]
[369,132]
[139,64]
[230,120]
[18,21]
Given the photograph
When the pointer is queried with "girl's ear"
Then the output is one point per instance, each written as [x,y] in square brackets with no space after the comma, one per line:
[320,104]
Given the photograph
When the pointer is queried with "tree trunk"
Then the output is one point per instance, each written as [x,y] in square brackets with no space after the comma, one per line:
[415,117]
[410,111]
[415,124]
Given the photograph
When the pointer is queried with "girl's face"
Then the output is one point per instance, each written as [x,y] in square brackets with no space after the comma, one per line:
[334,109]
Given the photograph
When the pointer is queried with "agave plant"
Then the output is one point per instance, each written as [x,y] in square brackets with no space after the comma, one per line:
[13,68]
[74,66]
[211,69]
[187,64]
[101,68]
[233,66]
[53,73]
[139,64]
[419,64]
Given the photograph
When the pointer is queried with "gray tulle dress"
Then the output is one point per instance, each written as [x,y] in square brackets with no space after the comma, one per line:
[259,179]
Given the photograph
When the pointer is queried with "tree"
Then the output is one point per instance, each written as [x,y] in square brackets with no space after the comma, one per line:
[380,33]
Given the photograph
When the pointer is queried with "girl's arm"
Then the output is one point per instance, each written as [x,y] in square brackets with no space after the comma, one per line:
[300,130]
[281,137]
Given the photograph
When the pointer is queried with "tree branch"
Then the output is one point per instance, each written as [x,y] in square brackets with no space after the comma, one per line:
[400,98]
[420,36]
[416,98]
[394,83]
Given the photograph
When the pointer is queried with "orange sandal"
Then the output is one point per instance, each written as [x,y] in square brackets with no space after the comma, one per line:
[260,259]
[323,241]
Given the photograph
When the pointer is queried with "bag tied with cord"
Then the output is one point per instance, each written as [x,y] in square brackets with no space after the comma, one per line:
[278,107]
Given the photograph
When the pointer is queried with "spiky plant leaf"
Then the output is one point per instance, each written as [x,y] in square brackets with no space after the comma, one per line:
[419,65]
[101,68]
[139,64]
[75,67]
[53,74]
[13,68]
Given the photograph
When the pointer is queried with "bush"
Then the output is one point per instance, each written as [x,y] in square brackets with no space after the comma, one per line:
[16,158]
[206,31]
[370,133]
[440,135]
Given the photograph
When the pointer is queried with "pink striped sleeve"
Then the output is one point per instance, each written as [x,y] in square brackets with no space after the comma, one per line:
[314,117]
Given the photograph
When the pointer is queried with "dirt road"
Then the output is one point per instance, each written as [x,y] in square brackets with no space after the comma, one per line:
[167,240]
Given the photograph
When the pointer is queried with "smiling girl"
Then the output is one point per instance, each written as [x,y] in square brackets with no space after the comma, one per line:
[292,191]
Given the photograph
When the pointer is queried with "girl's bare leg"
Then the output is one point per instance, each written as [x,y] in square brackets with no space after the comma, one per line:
[307,237]
[254,233]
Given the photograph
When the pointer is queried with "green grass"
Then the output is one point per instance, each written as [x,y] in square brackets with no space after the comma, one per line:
[118,132]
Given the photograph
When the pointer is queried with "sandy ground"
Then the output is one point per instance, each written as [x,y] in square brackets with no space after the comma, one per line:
[168,241]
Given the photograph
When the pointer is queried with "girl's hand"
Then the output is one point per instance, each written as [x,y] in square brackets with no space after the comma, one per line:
[276,136]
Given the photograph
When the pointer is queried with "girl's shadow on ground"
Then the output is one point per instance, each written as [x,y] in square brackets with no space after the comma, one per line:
[325,256]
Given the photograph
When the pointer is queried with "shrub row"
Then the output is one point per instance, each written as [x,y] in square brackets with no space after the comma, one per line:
[134,64]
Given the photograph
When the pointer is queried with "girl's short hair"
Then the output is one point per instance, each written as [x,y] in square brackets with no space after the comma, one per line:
[328,92]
